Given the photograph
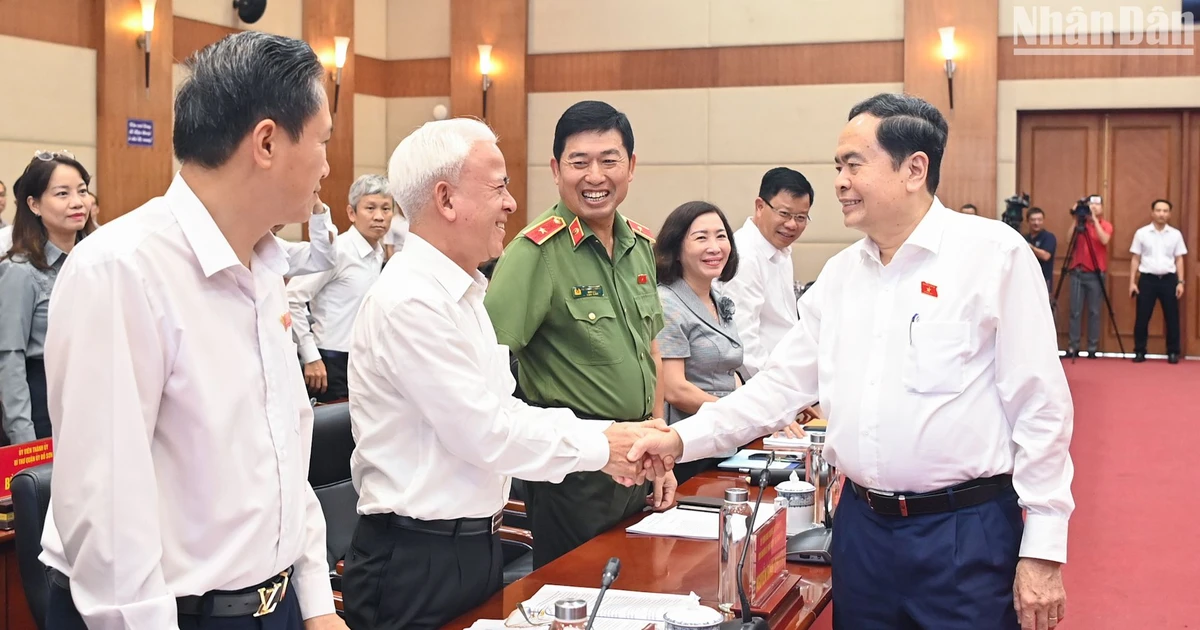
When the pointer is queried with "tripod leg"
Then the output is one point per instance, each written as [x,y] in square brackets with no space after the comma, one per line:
[1062,276]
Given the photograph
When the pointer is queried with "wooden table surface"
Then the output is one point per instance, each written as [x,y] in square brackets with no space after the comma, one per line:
[660,565]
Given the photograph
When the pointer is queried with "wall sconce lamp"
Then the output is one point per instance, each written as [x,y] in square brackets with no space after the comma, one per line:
[144,40]
[949,52]
[341,46]
[485,69]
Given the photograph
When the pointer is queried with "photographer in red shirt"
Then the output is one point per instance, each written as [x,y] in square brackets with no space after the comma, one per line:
[1088,267]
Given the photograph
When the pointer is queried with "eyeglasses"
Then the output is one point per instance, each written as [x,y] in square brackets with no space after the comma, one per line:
[46,156]
[801,219]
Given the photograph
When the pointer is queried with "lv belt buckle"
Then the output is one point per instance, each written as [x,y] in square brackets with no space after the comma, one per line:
[269,597]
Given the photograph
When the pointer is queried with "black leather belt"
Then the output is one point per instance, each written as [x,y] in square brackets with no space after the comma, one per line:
[257,601]
[957,497]
[456,527]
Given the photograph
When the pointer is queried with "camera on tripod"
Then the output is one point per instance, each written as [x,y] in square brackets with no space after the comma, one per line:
[1014,210]
[1083,208]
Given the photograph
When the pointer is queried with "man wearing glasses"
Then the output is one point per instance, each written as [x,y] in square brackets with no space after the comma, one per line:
[763,291]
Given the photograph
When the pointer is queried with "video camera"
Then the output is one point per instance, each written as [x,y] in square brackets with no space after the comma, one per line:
[1083,209]
[1014,210]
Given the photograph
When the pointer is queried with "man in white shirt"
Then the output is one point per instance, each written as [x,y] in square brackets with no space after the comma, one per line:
[182,431]
[763,291]
[437,429]
[1156,275]
[333,296]
[393,242]
[933,350]
[318,252]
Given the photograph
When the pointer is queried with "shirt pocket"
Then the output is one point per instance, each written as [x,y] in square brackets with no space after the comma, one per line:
[936,358]
[650,311]
[599,336]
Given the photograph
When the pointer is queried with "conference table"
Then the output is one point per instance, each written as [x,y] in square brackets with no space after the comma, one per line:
[661,565]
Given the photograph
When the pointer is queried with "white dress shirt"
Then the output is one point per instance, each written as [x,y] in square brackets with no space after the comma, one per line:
[397,232]
[5,239]
[333,296]
[763,294]
[437,429]
[938,368]
[1158,249]
[182,428]
[316,254]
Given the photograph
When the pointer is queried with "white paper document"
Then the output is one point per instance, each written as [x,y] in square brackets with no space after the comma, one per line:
[620,610]
[694,524]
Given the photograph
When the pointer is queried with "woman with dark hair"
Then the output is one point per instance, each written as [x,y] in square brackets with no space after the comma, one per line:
[53,207]
[699,342]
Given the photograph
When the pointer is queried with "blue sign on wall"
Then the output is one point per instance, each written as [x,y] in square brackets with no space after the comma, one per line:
[140,133]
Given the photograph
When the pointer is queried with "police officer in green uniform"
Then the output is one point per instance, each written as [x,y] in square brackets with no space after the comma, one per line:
[575,298]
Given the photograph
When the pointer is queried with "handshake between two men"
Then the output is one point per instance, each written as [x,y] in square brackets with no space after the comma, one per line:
[644,450]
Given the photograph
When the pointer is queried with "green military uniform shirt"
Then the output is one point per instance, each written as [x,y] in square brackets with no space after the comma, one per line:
[579,323]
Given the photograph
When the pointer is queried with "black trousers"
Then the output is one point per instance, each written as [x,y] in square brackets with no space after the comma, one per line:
[398,579]
[35,377]
[1153,289]
[563,516]
[336,364]
[61,614]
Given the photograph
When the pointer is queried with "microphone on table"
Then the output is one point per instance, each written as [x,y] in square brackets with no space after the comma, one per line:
[610,575]
[749,622]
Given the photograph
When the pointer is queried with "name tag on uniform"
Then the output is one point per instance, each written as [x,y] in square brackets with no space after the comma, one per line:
[587,290]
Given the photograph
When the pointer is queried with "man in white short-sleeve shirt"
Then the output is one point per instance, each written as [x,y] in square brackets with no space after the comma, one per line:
[1156,275]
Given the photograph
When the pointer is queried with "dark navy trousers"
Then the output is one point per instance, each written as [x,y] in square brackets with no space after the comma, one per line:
[938,571]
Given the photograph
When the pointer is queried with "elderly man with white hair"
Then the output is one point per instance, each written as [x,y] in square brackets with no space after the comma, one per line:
[437,428]
[333,296]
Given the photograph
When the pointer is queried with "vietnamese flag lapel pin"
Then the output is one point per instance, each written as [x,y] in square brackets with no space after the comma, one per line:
[929,289]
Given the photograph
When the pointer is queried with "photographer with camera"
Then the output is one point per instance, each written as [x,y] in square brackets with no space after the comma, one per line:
[1042,243]
[1087,269]
[1156,275]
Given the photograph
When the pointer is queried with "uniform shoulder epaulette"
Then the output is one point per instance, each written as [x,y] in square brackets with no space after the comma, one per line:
[542,232]
[641,230]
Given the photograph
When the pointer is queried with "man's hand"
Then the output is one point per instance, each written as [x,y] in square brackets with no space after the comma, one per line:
[315,377]
[1133,290]
[1178,290]
[664,492]
[325,622]
[794,430]
[1038,594]
[621,438]
[660,448]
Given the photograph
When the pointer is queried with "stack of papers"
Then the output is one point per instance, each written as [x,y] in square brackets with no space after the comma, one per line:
[780,440]
[620,610]
[692,524]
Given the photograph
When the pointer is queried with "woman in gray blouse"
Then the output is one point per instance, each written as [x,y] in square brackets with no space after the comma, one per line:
[52,216]
[699,342]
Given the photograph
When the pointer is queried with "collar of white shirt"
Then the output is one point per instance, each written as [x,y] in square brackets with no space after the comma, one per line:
[446,272]
[759,243]
[927,235]
[361,246]
[206,239]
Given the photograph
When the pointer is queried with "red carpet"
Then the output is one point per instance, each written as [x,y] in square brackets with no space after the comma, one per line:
[1134,548]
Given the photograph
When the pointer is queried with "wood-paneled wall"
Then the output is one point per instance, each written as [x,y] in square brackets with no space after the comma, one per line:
[968,173]
[504,25]
[70,22]
[324,20]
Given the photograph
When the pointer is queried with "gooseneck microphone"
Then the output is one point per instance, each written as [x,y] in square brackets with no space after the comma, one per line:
[610,575]
[749,622]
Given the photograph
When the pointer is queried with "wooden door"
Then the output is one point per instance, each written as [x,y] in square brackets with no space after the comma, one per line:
[1131,158]
[1058,157]
[1144,162]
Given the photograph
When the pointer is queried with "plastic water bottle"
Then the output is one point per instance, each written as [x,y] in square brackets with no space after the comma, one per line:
[734,530]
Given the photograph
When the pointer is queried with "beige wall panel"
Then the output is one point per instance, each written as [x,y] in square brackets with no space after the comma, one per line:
[769,125]
[404,115]
[760,22]
[294,231]
[653,194]
[15,156]
[1006,184]
[418,29]
[61,117]
[1030,12]
[557,26]
[734,188]
[179,72]
[282,17]
[370,130]
[370,28]
[669,126]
